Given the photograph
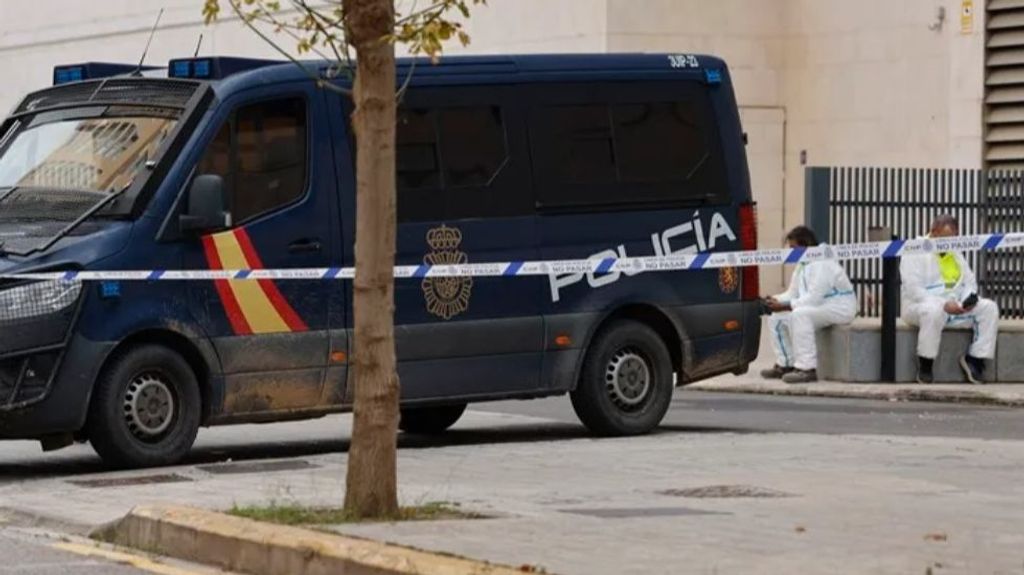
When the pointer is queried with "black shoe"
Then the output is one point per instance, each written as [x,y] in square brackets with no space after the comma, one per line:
[776,372]
[801,376]
[974,369]
[924,370]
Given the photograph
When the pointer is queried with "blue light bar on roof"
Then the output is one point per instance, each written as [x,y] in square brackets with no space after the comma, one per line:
[65,74]
[201,68]
[713,76]
[180,69]
[92,71]
[215,68]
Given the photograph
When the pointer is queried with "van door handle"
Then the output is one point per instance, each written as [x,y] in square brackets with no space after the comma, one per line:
[305,245]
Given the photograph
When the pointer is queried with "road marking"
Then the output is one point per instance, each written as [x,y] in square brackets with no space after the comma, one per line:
[51,566]
[137,561]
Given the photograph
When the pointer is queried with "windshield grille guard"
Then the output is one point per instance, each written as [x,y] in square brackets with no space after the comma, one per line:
[166,93]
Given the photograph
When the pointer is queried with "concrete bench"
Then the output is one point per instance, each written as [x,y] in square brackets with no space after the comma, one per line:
[853,353]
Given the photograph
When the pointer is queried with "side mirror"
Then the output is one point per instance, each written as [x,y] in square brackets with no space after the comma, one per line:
[206,205]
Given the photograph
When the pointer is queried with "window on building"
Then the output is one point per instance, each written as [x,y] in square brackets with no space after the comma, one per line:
[261,154]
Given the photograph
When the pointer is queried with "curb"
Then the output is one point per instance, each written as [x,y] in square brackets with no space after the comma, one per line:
[883,392]
[247,546]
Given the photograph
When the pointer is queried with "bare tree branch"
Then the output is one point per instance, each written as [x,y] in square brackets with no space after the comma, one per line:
[320,82]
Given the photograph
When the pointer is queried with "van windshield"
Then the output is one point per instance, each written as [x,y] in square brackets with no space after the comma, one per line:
[96,149]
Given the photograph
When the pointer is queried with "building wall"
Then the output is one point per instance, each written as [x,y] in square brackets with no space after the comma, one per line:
[35,36]
[862,82]
[869,83]
[849,82]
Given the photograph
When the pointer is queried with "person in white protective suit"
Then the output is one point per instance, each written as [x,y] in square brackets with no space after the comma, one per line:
[940,290]
[820,294]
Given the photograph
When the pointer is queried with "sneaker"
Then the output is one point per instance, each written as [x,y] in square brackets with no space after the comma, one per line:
[776,372]
[801,376]
[924,370]
[974,369]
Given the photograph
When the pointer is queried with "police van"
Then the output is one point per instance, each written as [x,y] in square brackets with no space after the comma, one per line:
[217,163]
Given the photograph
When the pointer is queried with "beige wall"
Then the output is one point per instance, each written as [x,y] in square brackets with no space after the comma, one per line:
[746,33]
[39,34]
[868,83]
[852,82]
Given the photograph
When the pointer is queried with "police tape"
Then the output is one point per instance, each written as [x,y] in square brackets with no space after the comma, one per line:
[597,266]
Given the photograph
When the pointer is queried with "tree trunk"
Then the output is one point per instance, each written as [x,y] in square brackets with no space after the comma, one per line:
[371,488]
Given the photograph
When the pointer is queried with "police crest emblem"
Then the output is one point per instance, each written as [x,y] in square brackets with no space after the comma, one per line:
[728,279]
[446,297]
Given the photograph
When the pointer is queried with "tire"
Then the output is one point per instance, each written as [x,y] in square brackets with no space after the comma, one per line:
[625,386]
[430,420]
[145,409]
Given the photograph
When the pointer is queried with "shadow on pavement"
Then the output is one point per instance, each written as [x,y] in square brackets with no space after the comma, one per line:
[82,461]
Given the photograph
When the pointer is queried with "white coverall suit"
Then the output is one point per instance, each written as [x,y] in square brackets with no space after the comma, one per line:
[924,296]
[821,295]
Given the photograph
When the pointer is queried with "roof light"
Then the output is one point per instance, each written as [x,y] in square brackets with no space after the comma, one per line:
[180,69]
[713,76]
[92,70]
[201,68]
[65,74]
[213,68]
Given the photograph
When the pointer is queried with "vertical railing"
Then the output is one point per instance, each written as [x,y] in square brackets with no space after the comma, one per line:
[842,204]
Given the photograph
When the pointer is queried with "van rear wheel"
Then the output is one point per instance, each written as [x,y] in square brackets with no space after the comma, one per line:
[625,385]
[145,409]
[430,420]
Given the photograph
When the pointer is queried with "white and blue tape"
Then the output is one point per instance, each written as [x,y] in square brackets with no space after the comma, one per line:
[676,262]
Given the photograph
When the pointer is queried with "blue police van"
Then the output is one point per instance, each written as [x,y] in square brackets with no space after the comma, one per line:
[226,163]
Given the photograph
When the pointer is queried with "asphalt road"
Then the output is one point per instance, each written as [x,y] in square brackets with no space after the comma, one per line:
[27,554]
[552,419]
[705,412]
[691,412]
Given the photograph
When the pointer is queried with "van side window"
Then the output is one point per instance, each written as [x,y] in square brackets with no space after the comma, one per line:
[586,151]
[418,161]
[261,154]
[659,142]
[472,144]
[627,150]
[444,156]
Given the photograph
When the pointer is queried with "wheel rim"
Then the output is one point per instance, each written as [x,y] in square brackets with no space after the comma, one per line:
[149,407]
[628,379]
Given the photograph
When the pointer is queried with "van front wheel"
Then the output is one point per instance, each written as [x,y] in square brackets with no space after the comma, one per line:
[625,385]
[145,409]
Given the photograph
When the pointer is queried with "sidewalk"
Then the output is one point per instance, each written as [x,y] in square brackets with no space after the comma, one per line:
[1003,395]
[669,503]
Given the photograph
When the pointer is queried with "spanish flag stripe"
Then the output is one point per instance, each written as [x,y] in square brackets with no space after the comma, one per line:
[259,312]
[227,297]
[286,311]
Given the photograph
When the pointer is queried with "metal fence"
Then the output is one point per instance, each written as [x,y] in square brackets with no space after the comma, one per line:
[843,204]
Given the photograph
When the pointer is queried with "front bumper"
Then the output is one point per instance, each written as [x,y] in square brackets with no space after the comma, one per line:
[59,405]
[46,374]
